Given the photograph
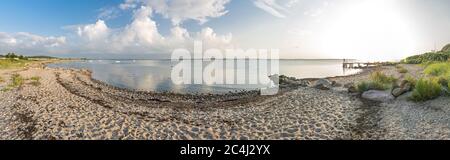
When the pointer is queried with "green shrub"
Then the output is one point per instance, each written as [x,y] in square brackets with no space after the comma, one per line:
[381,77]
[426,89]
[448,85]
[363,86]
[411,80]
[428,57]
[438,69]
[402,70]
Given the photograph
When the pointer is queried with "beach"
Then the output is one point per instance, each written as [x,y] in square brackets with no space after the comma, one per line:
[69,104]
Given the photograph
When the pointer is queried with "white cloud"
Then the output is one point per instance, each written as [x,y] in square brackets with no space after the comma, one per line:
[108,13]
[271,6]
[27,42]
[181,10]
[142,36]
[95,31]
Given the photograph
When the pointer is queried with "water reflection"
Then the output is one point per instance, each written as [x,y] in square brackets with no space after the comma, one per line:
[155,75]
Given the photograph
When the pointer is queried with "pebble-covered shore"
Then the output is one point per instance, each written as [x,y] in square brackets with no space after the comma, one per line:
[68,104]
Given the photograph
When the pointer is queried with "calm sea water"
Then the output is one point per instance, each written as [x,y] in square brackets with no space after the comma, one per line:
[155,75]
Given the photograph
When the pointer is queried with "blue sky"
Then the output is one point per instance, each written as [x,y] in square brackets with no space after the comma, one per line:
[379,29]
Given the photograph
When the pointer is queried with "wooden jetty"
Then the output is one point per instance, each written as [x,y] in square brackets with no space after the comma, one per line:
[360,64]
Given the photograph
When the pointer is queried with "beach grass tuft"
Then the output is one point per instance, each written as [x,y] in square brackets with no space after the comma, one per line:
[402,70]
[381,81]
[16,81]
[378,81]
[35,81]
[426,89]
[438,69]
[363,86]
[411,80]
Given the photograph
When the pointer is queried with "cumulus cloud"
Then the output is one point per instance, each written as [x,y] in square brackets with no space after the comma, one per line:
[181,10]
[27,42]
[142,36]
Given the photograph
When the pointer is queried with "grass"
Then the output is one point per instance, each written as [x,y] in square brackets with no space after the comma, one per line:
[378,81]
[402,70]
[363,86]
[2,80]
[16,81]
[35,81]
[426,89]
[411,80]
[12,63]
[438,69]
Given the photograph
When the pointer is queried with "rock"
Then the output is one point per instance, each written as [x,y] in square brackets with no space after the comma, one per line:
[285,81]
[323,84]
[398,92]
[335,84]
[380,96]
[405,86]
[348,85]
[352,89]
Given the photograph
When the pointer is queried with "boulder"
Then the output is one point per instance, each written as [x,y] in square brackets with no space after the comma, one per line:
[285,81]
[379,96]
[396,92]
[323,84]
[406,85]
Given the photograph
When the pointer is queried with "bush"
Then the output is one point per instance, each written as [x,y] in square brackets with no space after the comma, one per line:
[363,86]
[428,57]
[411,80]
[426,89]
[438,69]
[381,78]
[402,70]
[448,85]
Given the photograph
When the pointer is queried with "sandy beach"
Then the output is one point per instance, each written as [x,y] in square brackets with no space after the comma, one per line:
[69,104]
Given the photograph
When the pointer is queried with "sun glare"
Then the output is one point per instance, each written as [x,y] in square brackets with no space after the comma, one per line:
[372,29]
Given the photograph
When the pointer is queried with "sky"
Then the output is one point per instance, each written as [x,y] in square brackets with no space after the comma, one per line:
[300,29]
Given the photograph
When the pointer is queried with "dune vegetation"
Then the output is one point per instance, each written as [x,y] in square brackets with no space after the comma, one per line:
[11,60]
[436,79]
[378,81]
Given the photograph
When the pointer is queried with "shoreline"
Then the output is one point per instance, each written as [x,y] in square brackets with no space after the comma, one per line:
[69,104]
[236,91]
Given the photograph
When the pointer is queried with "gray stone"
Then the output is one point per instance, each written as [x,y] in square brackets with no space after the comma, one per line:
[352,89]
[380,96]
[323,84]
[404,87]
[348,85]
[398,92]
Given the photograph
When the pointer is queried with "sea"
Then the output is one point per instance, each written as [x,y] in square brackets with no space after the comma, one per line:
[156,75]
